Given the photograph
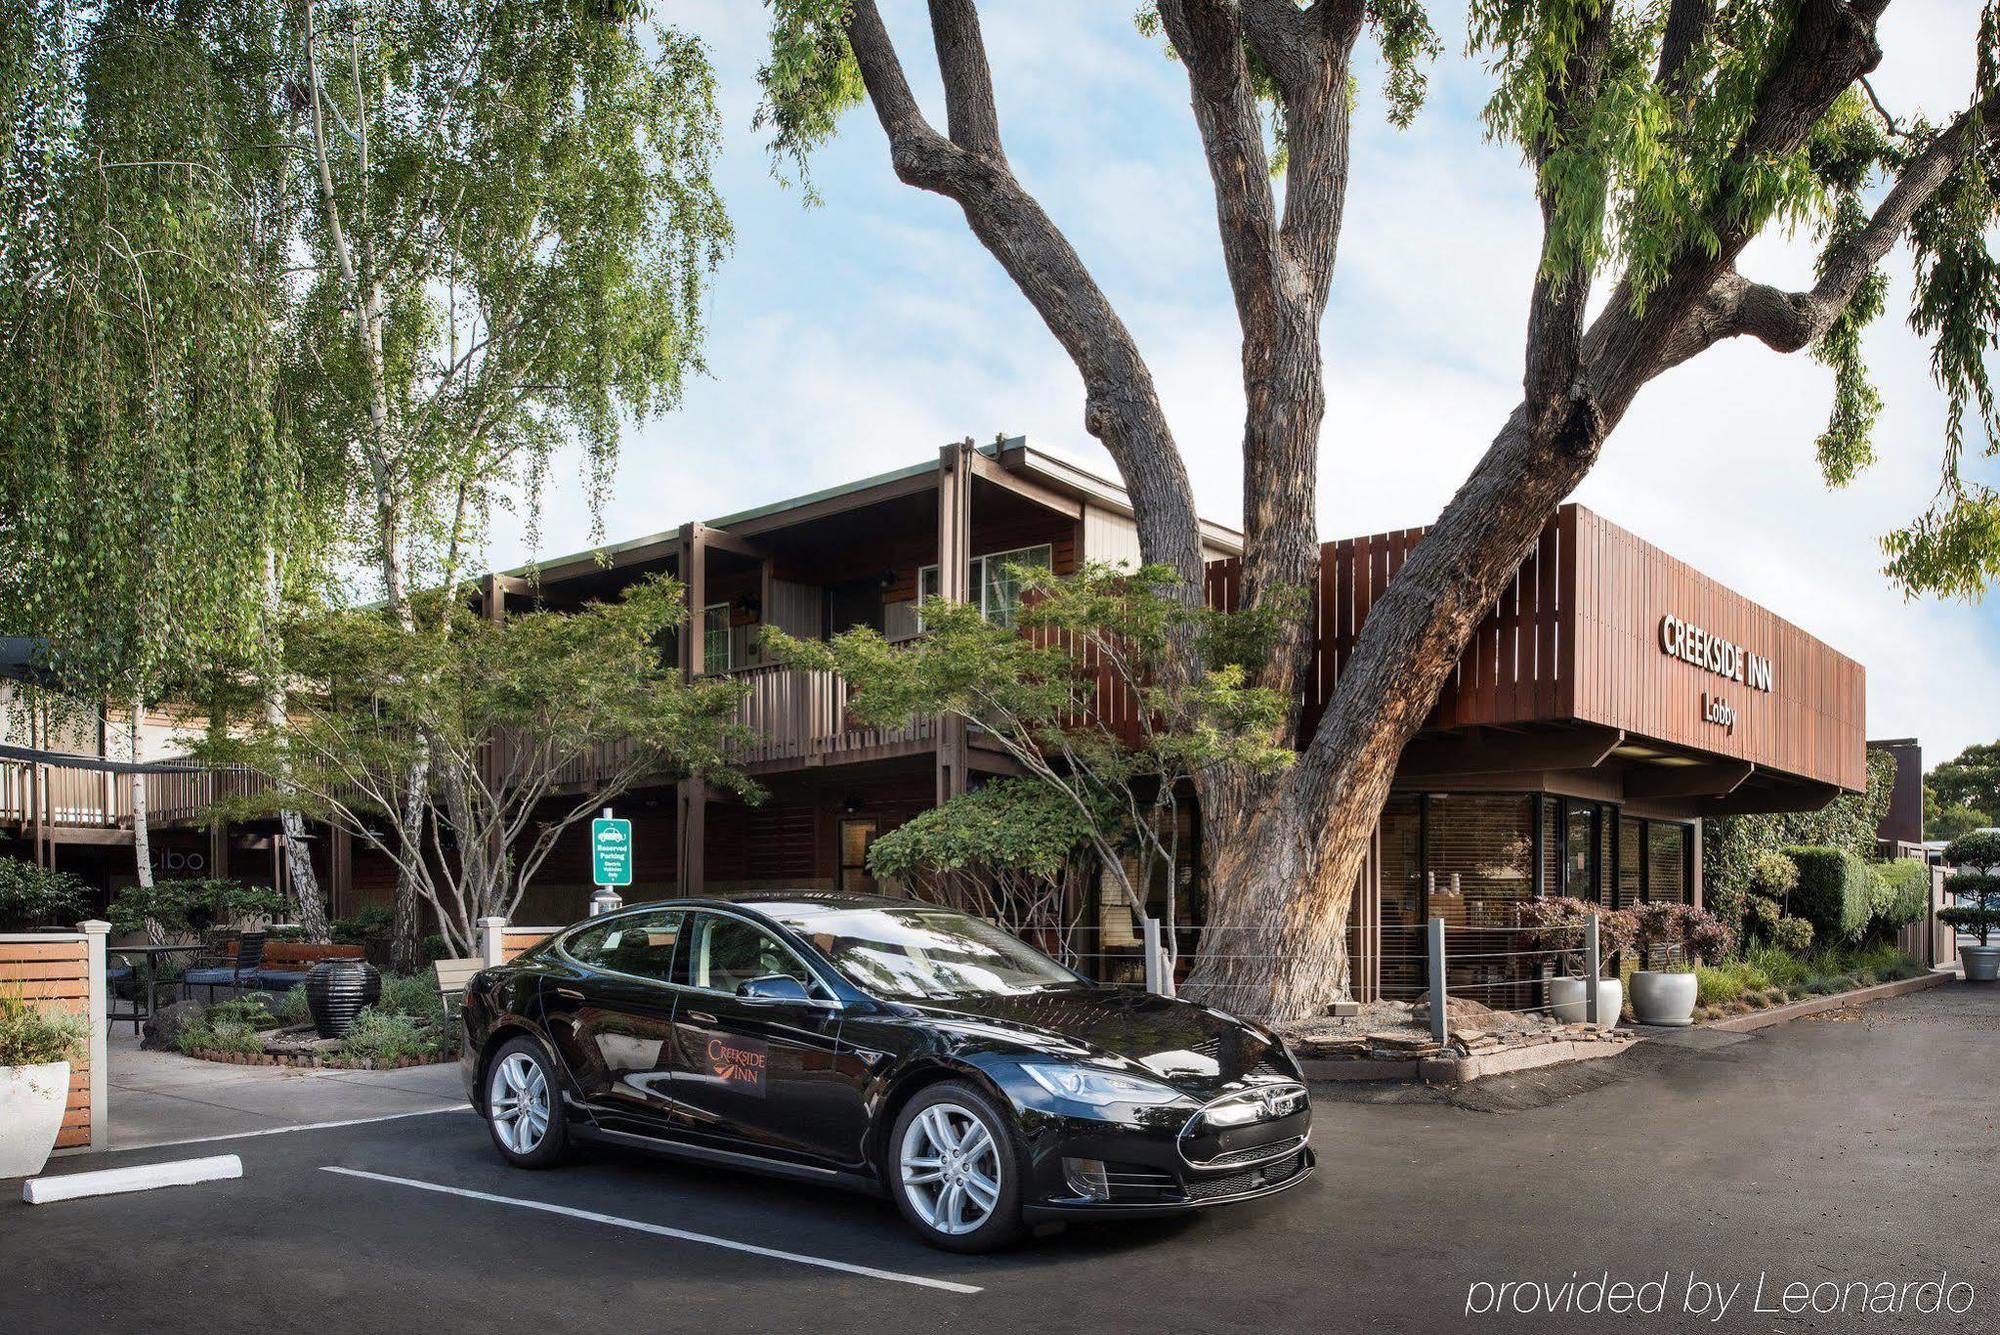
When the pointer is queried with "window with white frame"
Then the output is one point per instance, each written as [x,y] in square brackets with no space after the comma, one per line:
[715,639]
[989,583]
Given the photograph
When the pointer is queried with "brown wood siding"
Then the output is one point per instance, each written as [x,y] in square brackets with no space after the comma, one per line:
[55,975]
[1574,636]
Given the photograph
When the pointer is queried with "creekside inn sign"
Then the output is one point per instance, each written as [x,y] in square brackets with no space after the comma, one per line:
[1725,658]
[1691,644]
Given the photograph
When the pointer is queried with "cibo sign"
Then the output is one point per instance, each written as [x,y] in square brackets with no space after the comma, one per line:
[1691,644]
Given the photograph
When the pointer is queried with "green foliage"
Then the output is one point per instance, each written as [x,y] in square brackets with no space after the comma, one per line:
[1969,783]
[1733,847]
[32,896]
[1899,893]
[414,995]
[34,1036]
[293,1008]
[187,908]
[1980,848]
[244,1011]
[1793,934]
[1719,984]
[371,923]
[388,1037]
[1686,934]
[1012,824]
[808,81]
[504,712]
[1039,688]
[1975,883]
[216,1032]
[1833,893]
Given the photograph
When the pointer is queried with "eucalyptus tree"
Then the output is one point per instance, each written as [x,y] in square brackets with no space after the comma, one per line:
[1663,137]
[508,224]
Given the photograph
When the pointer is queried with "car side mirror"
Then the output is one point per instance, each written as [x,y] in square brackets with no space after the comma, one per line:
[773,987]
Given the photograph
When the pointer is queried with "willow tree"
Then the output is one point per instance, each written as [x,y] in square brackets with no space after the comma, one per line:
[509,220]
[1663,137]
[147,490]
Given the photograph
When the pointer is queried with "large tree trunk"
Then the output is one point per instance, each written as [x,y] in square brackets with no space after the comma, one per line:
[305,880]
[1281,890]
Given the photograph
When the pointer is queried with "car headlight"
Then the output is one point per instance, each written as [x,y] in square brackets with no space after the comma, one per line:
[1084,1084]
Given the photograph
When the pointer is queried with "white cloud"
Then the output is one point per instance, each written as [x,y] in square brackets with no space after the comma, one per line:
[862,335]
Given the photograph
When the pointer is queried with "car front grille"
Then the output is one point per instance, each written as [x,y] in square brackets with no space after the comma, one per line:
[1235,1184]
[1256,1153]
[1133,1184]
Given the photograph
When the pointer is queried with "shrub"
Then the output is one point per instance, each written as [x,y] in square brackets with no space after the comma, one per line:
[386,1037]
[1978,851]
[1793,934]
[211,1035]
[1557,924]
[243,1011]
[32,1036]
[32,896]
[358,929]
[1731,980]
[292,1008]
[1832,893]
[1976,857]
[187,908]
[1695,935]
[413,994]
[1898,894]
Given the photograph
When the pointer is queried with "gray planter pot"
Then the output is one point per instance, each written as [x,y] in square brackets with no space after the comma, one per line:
[1567,1000]
[1663,998]
[1982,963]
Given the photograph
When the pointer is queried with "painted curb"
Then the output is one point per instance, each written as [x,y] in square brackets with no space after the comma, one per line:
[139,1177]
[1459,1070]
[1799,1010]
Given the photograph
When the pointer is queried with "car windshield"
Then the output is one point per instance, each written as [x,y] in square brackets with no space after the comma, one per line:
[929,954]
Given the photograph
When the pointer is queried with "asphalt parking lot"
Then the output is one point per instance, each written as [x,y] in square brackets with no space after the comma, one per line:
[1864,1147]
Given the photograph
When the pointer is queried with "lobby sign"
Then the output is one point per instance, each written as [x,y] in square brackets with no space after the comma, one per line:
[1725,658]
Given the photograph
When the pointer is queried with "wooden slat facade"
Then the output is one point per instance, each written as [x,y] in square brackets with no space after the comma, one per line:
[53,972]
[1575,637]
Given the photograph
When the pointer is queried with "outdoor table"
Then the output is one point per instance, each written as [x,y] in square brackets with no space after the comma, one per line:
[152,955]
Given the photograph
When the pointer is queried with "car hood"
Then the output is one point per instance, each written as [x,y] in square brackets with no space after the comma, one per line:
[1199,1051]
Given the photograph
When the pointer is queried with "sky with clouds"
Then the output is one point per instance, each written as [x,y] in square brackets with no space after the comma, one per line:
[860,335]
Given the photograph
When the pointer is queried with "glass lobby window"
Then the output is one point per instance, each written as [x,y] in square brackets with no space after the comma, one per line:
[1402,873]
[1487,842]
[1629,889]
[1579,867]
[1666,863]
[856,836]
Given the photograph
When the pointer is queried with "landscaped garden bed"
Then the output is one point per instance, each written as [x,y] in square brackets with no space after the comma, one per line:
[407,1026]
[1769,976]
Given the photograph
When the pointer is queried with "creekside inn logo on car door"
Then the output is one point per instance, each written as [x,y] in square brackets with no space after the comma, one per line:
[739,1063]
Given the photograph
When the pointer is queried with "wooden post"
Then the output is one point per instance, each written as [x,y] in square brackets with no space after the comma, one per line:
[94,931]
[954,557]
[694,580]
[690,831]
[340,875]
[493,941]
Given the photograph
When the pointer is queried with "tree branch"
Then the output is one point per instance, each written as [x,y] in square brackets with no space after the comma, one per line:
[968,82]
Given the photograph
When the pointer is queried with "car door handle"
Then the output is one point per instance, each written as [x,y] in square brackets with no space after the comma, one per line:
[702,1017]
[569,993]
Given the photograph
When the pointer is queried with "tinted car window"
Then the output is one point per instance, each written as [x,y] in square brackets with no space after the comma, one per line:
[725,953]
[643,944]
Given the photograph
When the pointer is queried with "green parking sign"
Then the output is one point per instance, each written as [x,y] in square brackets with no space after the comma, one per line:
[611,851]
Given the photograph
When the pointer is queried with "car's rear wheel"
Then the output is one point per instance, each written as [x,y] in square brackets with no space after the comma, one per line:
[954,1171]
[523,1108]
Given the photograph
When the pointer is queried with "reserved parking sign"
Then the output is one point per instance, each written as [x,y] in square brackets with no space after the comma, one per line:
[611,850]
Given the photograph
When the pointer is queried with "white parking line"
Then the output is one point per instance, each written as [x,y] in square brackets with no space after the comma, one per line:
[288,1130]
[641,1226]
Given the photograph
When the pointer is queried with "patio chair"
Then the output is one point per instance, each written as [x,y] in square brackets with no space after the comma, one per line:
[452,976]
[213,971]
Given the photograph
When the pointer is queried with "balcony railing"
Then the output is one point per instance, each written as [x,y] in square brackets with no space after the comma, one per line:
[800,714]
[75,797]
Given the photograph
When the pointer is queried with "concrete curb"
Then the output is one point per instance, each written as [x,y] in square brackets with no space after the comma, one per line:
[1459,1070]
[1799,1010]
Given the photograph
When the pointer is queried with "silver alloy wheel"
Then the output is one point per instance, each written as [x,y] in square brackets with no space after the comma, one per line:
[950,1168]
[518,1102]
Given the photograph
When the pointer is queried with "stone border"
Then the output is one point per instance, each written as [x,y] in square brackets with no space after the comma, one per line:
[1459,1070]
[310,1062]
[1799,1010]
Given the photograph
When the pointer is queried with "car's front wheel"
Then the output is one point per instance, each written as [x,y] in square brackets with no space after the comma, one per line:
[523,1109]
[954,1171]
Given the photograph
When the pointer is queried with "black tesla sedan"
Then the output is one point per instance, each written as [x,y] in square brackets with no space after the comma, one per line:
[882,1044]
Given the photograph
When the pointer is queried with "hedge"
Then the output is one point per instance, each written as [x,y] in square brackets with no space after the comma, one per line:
[1901,893]
[1833,892]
